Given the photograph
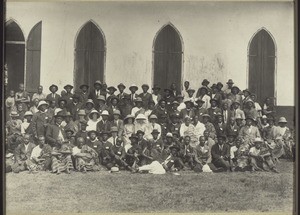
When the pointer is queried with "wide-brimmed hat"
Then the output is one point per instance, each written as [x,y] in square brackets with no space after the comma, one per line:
[203,88]
[133,86]
[153,116]
[199,100]
[156,87]
[42,103]
[129,116]
[121,85]
[69,130]
[116,112]
[249,117]
[205,81]
[175,103]
[189,101]
[62,100]
[133,136]
[114,129]
[101,97]
[141,116]
[98,82]
[112,88]
[235,87]
[68,86]
[68,114]
[138,99]
[191,90]
[53,85]
[155,131]
[14,113]
[213,86]
[247,90]
[139,132]
[174,147]
[220,84]
[114,169]
[28,113]
[92,112]
[104,113]
[264,117]
[92,131]
[258,140]
[145,85]
[114,97]
[213,99]
[81,112]
[60,114]
[238,117]
[205,115]
[282,120]
[169,134]
[84,85]
[250,101]
[90,101]
[230,81]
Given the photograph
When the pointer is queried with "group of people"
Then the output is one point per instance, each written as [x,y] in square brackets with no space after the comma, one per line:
[99,127]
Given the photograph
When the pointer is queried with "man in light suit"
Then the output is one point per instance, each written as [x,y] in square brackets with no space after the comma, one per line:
[55,131]
[22,154]
[249,132]
[117,122]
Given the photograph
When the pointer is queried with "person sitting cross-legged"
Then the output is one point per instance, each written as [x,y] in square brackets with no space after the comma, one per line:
[239,156]
[260,157]
[173,162]
[86,158]
[40,159]
[22,154]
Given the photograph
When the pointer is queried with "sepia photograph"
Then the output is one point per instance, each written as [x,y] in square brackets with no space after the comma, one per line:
[149,107]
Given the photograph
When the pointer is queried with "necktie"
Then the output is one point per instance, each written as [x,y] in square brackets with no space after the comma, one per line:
[53,96]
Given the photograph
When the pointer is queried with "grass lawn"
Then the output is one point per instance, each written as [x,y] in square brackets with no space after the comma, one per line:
[126,192]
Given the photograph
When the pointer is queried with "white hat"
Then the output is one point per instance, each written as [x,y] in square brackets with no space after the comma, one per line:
[42,103]
[114,169]
[206,168]
[258,140]
[140,116]
[28,113]
[282,119]
[105,113]
[264,117]
[169,134]
[153,116]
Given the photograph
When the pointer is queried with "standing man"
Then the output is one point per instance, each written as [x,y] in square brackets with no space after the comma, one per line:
[96,92]
[22,97]
[53,96]
[133,95]
[84,94]
[41,120]
[156,96]
[229,86]
[145,96]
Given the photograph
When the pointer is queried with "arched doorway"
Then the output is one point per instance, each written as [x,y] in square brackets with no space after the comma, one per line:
[89,55]
[14,54]
[33,58]
[262,56]
[168,55]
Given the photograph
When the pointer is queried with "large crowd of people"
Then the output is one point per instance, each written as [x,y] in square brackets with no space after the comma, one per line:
[102,127]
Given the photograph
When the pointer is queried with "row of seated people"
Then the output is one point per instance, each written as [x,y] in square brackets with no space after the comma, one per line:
[173,149]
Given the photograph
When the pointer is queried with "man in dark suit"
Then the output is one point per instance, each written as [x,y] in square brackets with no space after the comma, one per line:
[41,119]
[74,106]
[220,126]
[121,88]
[145,96]
[22,154]
[220,153]
[55,131]
[133,95]
[53,96]
[96,92]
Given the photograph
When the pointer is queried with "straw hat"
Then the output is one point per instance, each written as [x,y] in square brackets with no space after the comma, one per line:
[282,120]
[141,116]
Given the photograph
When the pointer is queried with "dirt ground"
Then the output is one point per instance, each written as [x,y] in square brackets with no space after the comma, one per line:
[127,192]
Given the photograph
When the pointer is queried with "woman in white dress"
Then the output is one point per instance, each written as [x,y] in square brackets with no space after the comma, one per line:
[94,118]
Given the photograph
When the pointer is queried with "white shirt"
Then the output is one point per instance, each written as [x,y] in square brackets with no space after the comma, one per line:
[75,150]
[233,149]
[199,129]
[135,110]
[154,168]
[154,98]
[24,126]
[36,152]
[92,125]
[181,106]
[254,151]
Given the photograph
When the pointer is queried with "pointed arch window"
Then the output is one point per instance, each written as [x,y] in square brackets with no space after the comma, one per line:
[168,57]
[262,59]
[90,52]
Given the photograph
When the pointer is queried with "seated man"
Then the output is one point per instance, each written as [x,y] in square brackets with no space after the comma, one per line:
[149,153]
[239,155]
[22,154]
[134,153]
[13,132]
[118,155]
[260,157]
[40,159]
[86,158]
[173,162]
[221,154]
[61,158]
[187,152]
[203,157]
[249,132]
